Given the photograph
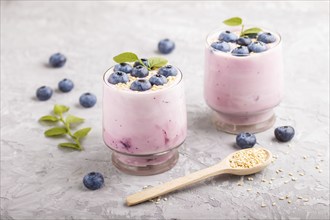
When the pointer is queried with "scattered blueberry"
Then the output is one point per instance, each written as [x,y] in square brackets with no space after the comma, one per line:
[87,100]
[140,85]
[168,70]
[140,71]
[144,61]
[118,77]
[266,37]
[158,80]
[240,51]
[57,60]
[65,85]
[245,140]
[257,47]
[228,36]
[221,45]
[123,67]
[284,133]
[93,180]
[244,41]
[166,46]
[44,93]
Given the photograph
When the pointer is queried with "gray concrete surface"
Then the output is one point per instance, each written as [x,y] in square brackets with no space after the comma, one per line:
[41,181]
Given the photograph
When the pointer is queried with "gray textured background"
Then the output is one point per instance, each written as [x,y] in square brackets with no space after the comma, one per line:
[41,181]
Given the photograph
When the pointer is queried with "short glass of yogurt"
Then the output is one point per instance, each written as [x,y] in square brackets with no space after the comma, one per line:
[144,117]
[243,79]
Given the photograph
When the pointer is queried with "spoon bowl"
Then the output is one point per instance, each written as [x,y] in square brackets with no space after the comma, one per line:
[242,162]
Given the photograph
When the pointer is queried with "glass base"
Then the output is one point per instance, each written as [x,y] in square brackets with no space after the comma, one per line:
[144,165]
[234,124]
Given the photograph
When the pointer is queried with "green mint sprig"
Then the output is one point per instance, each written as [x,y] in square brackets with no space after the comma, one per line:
[236,21]
[153,62]
[58,111]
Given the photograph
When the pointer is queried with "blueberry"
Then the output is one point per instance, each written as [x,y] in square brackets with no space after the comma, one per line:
[257,47]
[118,77]
[123,67]
[166,46]
[140,85]
[284,133]
[87,100]
[140,71]
[57,60]
[244,41]
[65,85]
[266,37]
[144,61]
[44,93]
[168,70]
[245,140]
[240,51]
[158,80]
[228,36]
[221,45]
[93,180]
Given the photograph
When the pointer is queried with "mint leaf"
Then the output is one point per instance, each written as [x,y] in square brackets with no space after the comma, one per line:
[59,109]
[82,133]
[70,145]
[157,62]
[55,131]
[73,119]
[234,21]
[126,57]
[49,118]
[253,30]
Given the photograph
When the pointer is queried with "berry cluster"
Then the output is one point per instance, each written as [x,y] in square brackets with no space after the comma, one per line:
[123,70]
[243,45]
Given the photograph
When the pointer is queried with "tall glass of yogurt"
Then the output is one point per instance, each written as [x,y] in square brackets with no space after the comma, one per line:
[243,89]
[144,129]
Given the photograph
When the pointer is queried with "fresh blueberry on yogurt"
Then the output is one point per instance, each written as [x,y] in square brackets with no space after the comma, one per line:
[118,77]
[167,71]
[140,85]
[144,61]
[228,36]
[57,60]
[257,47]
[140,71]
[266,37]
[87,100]
[65,85]
[158,80]
[44,93]
[123,67]
[93,180]
[284,133]
[166,46]
[240,51]
[243,41]
[221,45]
[245,140]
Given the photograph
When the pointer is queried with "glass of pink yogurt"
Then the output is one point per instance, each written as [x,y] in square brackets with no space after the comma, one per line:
[243,85]
[144,129]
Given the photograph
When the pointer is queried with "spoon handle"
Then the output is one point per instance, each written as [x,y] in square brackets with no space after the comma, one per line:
[175,184]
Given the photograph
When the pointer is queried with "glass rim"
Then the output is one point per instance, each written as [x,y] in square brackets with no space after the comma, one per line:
[105,81]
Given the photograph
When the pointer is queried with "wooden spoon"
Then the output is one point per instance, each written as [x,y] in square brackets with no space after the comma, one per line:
[220,168]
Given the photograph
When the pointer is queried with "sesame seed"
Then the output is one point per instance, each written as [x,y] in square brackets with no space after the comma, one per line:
[305,200]
[281,198]
[289,201]
[239,184]
[263,205]
[263,180]
[299,197]
[301,174]
[290,174]
[293,179]
[270,182]
[305,157]
[248,158]
[317,167]
[250,178]
[287,196]
[165,199]
[273,204]
[280,170]
[272,178]
[249,189]
[320,171]
[287,181]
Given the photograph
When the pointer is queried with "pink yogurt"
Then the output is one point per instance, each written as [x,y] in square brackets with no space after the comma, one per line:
[243,90]
[140,127]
